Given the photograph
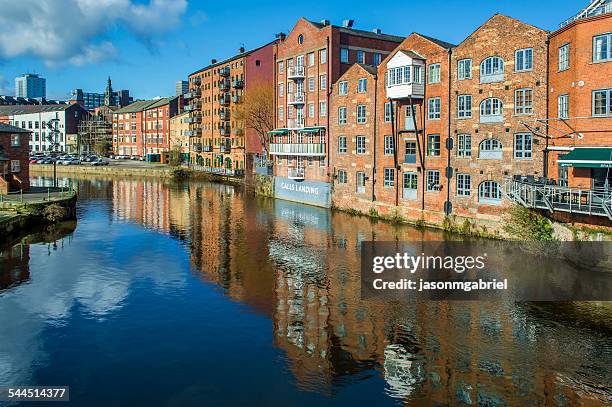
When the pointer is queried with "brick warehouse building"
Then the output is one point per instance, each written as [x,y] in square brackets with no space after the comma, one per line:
[14,158]
[498,92]
[219,140]
[142,129]
[308,61]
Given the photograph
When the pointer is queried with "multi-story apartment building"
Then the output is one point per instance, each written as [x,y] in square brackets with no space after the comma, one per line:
[580,99]
[30,85]
[143,128]
[52,127]
[220,141]
[498,91]
[311,58]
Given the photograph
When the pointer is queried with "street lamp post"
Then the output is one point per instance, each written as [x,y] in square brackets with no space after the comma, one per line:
[52,138]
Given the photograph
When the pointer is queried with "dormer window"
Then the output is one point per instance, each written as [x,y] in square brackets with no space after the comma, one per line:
[492,70]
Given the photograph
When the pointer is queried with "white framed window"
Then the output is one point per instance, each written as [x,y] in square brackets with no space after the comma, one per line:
[389,145]
[522,146]
[360,145]
[323,56]
[362,85]
[323,109]
[433,73]
[464,69]
[281,90]
[361,57]
[464,106]
[281,67]
[299,60]
[433,145]
[342,179]
[489,193]
[433,108]
[492,70]
[602,47]
[563,106]
[311,110]
[360,180]
[491,110]
[389,177]
[387,112]
[464,145]
[311,84]
[376,58]
[464,185]
[403,75]
[342,115]
[281,113]
[323,81]
[344,55]
[15,141]
[564,57]
[410,152]
[490,149]
[523,60]
[342,88]
[433,181]
[311,59]
[361,114]
[523,101]
[341,144]
[15,166]
[602,102]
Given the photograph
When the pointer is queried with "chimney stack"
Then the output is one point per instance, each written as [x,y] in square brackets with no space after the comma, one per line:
[348,23]
[241,50]
[377,31]
[213,61]
[325,22]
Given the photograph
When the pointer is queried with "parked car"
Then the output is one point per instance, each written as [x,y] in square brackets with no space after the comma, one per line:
[99,162]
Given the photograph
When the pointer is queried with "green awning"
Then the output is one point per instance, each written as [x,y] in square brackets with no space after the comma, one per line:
[587,157]
[278,131]
[310,130]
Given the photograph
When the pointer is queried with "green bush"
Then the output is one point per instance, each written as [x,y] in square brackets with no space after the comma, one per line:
[524,224]
[54,213]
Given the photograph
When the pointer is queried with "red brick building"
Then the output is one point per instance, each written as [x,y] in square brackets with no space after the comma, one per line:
[580,100]
[219,139]
[14,158]
[498,88]
[142,129]
[309,60]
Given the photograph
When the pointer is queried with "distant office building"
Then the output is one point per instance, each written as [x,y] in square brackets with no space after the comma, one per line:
[30,85]
[93,100]
[18,101]
[182,87]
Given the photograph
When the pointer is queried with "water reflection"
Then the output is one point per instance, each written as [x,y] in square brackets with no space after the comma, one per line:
[298,267]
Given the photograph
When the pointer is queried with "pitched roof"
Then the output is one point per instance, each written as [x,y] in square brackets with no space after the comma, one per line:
[7,128]
[162,102]
[137,106]
[441,43]
[411,54]
[494,16]
[225,61]
[359,33]
[369,68]
[24,109]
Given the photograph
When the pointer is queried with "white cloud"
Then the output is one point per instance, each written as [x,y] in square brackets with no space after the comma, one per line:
[73,30]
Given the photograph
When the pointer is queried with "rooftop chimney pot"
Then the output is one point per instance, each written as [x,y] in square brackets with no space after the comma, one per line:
[348,23]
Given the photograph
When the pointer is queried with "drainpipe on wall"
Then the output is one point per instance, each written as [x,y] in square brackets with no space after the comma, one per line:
[393,134]
[374,137]
[545,163]
[448,207]
[423,118]
[329,96]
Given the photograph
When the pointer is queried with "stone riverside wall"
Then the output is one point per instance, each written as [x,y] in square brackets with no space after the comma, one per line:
[39,169]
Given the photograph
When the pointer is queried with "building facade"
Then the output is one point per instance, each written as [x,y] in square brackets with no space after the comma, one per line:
[181,87]
[30,85]
[220,141]
[54,128]
[142,129]
[309,60]
[14,158]
[93,100]
[179,140]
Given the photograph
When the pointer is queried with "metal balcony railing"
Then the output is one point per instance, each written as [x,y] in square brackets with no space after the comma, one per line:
[235,99]
[196,81]
[224,114]
[295,123]
[296,98]
[224,100]
[225,131]
[193,132]
[532,194]
[192,107]
[193,119]
[225,71]
[297,149]
[196,93]
[594,9]
[225,85]
[238,84]
[296,72]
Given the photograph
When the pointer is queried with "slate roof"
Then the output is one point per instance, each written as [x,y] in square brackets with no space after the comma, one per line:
[7,128]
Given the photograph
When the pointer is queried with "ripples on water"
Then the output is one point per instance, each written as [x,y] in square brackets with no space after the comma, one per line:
[184,294]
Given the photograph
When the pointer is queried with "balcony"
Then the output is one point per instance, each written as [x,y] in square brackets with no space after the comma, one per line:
[197,147]
[207,149]
[594,9]
[296,72]
[193,119]
[193,132]
[296,98]
[406,81]
[224,114]
[301,149]
[195,93]
[224,85]
[224,71]
[225,131]
[236,99]
[196,80]
[225,148]
[193,107]
[238,84]
[296,173]
[224,100]
[237,132]
[295,123]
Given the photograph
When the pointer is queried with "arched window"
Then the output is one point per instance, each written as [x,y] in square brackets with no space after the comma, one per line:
[489,193]
[491,111]
[490,149]
[492,70]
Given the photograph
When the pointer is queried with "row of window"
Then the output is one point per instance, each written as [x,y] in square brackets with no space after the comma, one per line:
[602,51]
[488,149]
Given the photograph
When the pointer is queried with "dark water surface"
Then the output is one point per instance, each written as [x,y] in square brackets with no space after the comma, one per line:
[199,294]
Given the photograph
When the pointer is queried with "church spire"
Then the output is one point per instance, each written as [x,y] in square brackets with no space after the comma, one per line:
[108,93]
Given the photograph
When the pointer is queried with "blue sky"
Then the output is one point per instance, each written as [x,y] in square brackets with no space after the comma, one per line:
[147,45]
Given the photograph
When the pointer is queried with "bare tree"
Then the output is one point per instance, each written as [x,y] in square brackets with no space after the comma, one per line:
[257,111]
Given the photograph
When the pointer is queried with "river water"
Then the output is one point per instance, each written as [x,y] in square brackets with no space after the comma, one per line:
[200,294]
